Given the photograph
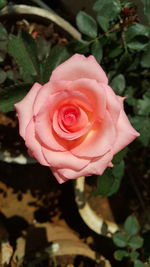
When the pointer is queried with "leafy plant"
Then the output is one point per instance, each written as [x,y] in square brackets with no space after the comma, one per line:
[3,3]
[120,43]
[128,241]
[28,64]
[109,182]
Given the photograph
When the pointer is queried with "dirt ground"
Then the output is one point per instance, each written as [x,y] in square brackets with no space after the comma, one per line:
[31,199]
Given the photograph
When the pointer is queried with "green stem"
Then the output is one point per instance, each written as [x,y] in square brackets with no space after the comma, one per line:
[124,42]
[114,28]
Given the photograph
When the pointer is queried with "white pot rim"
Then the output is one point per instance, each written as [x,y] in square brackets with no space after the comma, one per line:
[44,14]
[97,223]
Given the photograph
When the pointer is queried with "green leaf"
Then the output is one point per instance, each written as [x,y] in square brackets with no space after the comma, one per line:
[134,65]
[3,46]
[131,225]
[120,239]
[129,94]
[118,172]
[138,263]
[86,24]
[2,56]
[44,52]
[145,83]
[105,183]
[115,52]
[111,74]
[137,36]
[10,75]
[109,182]
[137,29]
[124,62]
[120,254]
[96,50]
[136,242]
[134,255]
[145,60]
[3,33]
[3,42]
[142,125]
[23,49]
[3,76]
[127,3]
[108,9]
[103,22]
[143,105]
[138,44]
[11,95]
[118,83]
[58,54]
[118,169]
[79,46]
[3,3]
[147,9]
[120,155]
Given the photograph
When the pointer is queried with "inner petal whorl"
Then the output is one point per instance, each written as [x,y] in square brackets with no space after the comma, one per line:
[69,115]
[70,122]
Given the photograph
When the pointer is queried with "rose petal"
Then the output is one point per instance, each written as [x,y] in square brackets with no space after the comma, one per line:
[78,122]
[71,135]
[125,133]
[60,178]
[44,93]
[113,103]
[24,108]
[89,90]
[64,159]
[97,166]
[46,134]
[33,144]
[94,92]
[78,67]
[98,141]
[43,120]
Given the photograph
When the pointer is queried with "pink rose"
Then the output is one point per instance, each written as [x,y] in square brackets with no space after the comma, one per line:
[75,123]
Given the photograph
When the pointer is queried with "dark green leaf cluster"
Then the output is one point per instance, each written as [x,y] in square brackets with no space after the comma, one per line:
[29,64]
[121,43]
[130,241]
[109,182]
[3,3]
[118,39]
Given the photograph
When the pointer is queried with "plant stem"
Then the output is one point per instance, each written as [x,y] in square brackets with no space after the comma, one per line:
[124,42]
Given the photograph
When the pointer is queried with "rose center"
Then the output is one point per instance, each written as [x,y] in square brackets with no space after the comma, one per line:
[69,115]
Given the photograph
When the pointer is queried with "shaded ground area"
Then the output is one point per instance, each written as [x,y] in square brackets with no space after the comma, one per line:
[30,195]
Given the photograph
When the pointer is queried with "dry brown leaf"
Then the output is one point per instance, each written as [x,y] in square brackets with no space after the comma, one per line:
[62,241]
[10,205]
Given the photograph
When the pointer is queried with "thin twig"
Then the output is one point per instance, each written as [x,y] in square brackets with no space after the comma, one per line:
[137,191]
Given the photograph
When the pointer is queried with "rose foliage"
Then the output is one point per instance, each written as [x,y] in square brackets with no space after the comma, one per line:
[75,123]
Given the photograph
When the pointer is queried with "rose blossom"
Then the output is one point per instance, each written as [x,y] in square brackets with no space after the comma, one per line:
[75,123]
